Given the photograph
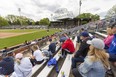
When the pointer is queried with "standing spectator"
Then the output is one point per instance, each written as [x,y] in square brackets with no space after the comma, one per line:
[37,55]
[6,65]
[109,38]
[82,51]
[23,66]
[96,63]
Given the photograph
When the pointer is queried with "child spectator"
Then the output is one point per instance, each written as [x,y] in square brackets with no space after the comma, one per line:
[23,66]
[96,63]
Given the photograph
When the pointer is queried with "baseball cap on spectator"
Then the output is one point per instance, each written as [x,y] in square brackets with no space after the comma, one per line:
[85,34]
[97,43]
[62,39]
[19,56]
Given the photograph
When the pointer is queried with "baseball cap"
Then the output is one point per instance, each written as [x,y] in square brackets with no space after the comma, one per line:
[19,56]
[85,34]
[62,39]
[97,43]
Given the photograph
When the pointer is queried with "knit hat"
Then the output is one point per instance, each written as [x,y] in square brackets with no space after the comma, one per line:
[19,56]
[97,43]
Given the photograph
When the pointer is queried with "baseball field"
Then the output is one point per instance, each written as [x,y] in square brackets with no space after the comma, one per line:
[12,37]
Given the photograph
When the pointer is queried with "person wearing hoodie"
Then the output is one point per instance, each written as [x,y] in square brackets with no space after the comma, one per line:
[23,66]
[6,65]
[67,46]
[81,53]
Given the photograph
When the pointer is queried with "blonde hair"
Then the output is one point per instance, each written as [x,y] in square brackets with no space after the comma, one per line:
[99,54]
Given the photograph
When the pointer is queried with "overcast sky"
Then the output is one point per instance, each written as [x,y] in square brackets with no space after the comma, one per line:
[37,9]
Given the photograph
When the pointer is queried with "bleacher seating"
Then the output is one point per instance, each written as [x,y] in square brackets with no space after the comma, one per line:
[45,72]
[101,34]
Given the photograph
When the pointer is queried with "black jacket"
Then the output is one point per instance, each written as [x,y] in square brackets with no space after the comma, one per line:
[83,49]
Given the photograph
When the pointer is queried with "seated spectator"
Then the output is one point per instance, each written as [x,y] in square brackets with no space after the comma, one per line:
[112,48]
[23,66]
[109,38]
[6,65]
[52,46]
[67,46]
[96,63]
[82,51]
[38,57]
[5,49]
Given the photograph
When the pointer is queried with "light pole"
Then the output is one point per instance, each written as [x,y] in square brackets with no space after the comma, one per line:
[80,7]
[19,9]
[79,11]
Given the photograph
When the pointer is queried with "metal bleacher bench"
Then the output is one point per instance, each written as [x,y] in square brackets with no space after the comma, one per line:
[101,34]
[46,71]
[67,64]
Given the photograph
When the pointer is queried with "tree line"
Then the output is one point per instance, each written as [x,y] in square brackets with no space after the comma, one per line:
[22,20]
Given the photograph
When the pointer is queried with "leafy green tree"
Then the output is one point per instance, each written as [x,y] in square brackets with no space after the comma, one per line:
[37,23]
[89,15]
[19,20]
[111,12]
[3,22]
[44,21]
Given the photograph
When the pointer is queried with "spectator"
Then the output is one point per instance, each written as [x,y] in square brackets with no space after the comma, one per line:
[37,56]
[6,65]
[67,46]
[96,63]
[82,51]
[112,48]
[5,49]
[52,46]
[23,66]
[109,38]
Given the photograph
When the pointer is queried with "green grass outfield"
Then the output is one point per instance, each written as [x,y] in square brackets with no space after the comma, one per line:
[12,41]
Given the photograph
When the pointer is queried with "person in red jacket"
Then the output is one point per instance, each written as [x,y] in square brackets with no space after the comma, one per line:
[67,47]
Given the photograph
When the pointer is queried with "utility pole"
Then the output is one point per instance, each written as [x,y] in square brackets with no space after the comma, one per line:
[19,9]
[80,3]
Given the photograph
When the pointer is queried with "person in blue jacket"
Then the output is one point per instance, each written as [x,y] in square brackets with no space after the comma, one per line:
[112,48]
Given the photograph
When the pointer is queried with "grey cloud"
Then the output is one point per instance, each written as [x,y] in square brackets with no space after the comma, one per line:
[45,6]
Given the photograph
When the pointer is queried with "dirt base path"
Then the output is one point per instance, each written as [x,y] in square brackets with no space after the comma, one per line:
[7,34]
